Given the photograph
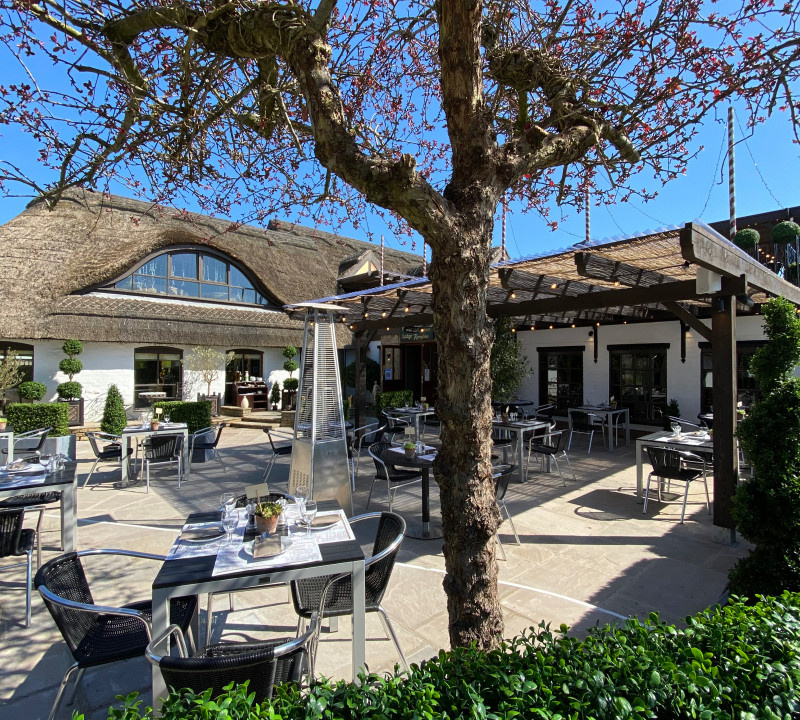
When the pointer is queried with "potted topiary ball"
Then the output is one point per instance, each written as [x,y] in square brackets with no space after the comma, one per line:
[785,232]
[72,390]
[32,390]
[747,239]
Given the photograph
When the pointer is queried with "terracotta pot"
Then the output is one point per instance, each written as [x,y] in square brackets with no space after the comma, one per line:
[154,425]
[2,426]
[267,525]
[411,453]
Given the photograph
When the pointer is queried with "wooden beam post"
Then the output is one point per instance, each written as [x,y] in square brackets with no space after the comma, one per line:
[362,340]
[723,366]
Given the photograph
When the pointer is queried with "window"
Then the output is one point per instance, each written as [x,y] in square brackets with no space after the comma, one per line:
[24,357]
[246,363]
[638,380]
[157,369]
[747,390]
[190,274]
[561,377]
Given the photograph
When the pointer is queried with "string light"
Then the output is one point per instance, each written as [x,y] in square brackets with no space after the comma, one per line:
[533,327]
[616,283]
[513,330]
[407,308]
[553,286]
[551,327]
[513,296]
[383,314]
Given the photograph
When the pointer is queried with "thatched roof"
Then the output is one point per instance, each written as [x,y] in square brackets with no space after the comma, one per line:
[54,263]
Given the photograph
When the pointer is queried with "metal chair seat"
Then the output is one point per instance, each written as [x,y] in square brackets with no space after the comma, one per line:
[16,542]
[111,452]
[681,465]
[394,477]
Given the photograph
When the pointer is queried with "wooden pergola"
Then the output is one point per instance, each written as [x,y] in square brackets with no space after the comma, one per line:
[690,273]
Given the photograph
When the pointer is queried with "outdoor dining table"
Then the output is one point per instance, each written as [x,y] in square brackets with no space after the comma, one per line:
[512,405]
[665,438]
[610,415]
[200,567]
[414,414]
[518,428]
[140,433]
[427,529]
[7,439]
[36,479]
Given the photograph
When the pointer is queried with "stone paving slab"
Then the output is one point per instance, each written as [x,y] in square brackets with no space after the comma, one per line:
[587,555]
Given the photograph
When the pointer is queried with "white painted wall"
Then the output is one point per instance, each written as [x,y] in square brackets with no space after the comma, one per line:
[683,378]
[110,363]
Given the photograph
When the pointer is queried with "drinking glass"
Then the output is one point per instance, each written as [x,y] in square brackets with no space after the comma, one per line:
[226,500]
[230,519]
[676,429]
[309,512]
[166,418]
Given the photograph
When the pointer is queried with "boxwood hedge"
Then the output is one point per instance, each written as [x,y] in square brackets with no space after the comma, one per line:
[738,661]
[196,415]
[24,417]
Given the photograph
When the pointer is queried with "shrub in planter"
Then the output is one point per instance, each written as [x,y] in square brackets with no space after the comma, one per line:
[196,415]
[739,661]
[32,390]
[672,410]
[766,507]
[395,398]
[69,390]
[291,384]
[114,418]
[24,417]
[275,395]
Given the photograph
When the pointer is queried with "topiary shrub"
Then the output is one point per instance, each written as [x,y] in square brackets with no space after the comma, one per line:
[114,418]
[785,232]
[196,415]
[32,390]
[739,662]
[24,417]
[766,508]
[747,239]
[275,394]
[290,384]
[70,366]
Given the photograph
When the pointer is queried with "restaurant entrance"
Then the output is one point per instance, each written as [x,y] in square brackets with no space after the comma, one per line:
[410,366]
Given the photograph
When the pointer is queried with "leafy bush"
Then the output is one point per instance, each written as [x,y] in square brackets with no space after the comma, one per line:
[747,239]
[114,418]
[275,393]
[786,231]
[509,367]
[69,390]
[395,398]
[196,415]
[373,373]
[290,384]
[766,507]
[24,417]
[32,390]
[291,364]
[740,661]
[72,347]
[70,366]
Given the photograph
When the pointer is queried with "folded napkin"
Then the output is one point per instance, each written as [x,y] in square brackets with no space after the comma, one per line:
[202,531]
[324,521]
[265,546]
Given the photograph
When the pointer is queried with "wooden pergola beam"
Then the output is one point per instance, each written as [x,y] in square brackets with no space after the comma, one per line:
[598,267]
[693,322]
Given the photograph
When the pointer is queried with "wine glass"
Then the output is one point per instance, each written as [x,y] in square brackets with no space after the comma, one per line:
[166,418]
[230,519]
[227,499]
[676,429]
[309,511]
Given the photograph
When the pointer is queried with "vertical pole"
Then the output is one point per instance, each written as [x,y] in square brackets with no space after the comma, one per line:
[362,339]
[723,365]
[381,260]
[503,253]
[424,259]
[588,238]
[731,174]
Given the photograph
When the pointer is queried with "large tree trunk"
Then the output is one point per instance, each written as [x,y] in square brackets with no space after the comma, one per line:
[459,271]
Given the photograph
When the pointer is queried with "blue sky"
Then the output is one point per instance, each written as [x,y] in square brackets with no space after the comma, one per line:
[767,174]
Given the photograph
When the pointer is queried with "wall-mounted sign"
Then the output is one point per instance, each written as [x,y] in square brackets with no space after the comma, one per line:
[416,334]
[387,373]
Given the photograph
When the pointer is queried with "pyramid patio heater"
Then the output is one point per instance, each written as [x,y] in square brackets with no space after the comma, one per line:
[319,458]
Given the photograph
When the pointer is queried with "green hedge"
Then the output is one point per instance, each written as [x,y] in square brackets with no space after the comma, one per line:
[24,417]
[196,415]
[396,398]
[740,661]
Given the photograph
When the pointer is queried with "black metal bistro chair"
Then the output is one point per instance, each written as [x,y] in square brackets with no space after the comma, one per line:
[585,423]
[29,445]
[99,634]
[368,434]
[111,452]
[276,452]
[554,449]
[501,475]
[163,449]
[392,476]
[263,664]
[198,441]
[681,465]
[331,596]
[16,542]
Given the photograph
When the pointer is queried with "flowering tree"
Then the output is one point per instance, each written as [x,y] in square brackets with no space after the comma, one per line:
[430,111]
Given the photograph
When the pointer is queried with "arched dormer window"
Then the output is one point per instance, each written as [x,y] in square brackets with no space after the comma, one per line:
[193,274]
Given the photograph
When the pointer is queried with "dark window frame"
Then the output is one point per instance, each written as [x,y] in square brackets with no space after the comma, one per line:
[573,397]
[138,387]
[747,389]
[646,407]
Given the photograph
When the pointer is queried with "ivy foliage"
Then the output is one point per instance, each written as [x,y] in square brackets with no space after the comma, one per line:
[737,661]
[509,367]
[767,506]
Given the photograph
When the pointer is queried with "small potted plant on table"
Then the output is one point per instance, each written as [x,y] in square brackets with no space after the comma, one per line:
[266,516]
[410,448]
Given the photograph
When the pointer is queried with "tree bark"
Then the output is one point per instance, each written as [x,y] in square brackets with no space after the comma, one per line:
[470,516]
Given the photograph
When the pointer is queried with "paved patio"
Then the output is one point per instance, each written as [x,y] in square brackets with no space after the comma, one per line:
[587,556]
